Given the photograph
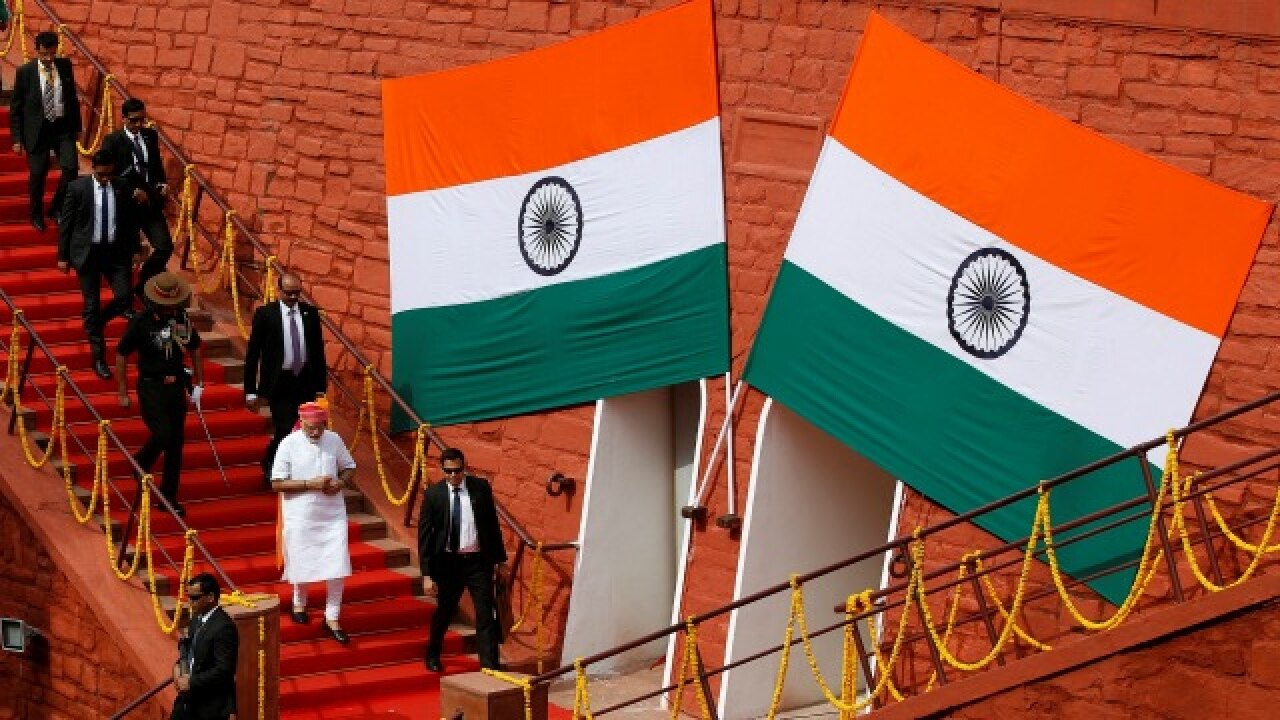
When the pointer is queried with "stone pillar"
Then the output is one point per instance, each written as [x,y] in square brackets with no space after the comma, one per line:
[478,696]
[248,665]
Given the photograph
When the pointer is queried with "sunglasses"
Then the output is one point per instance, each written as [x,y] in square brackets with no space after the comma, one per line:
[135,120]
[195,597]
[291,293]
[451,471]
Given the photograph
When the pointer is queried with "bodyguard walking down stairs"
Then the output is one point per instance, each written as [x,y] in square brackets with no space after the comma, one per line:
[459,546]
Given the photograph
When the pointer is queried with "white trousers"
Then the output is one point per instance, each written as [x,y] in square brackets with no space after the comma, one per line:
[332,602]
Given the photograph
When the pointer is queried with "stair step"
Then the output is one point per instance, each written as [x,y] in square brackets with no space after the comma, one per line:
[385,614]
[229,542]
[90,384]
[371,585]
[32,280]
[223,425]
[307,657]
[196,485]
[14,181]
[16,209]
[28,257]
[219,513]
[321,690]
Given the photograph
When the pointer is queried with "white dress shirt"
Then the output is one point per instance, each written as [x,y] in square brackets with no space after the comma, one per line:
[302,336]
[103,193]
[191,652]
[135,139]
[468,538]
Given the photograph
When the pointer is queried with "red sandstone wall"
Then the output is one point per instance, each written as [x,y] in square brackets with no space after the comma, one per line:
[79,672]
[1229,669]
[278,101]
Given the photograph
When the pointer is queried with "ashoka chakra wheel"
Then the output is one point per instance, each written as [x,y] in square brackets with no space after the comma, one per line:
[988,304]
[550,228]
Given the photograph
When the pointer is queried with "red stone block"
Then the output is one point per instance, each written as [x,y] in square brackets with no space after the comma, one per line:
[1150,94]
[1100,82]
[1190,146]
[1207,124]
[230,60]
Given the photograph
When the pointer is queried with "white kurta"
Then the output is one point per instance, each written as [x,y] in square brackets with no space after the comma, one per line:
[315,524]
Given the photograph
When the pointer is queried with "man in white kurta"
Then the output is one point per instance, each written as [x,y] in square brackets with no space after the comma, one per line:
[312,466]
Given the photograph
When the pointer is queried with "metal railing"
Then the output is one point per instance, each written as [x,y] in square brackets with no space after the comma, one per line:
[138,701]
[947,577]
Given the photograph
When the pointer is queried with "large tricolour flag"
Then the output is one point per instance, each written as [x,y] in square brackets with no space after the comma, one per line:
[556,222]
[979,294]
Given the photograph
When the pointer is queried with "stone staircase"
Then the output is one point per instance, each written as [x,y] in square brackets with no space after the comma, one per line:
[380,674]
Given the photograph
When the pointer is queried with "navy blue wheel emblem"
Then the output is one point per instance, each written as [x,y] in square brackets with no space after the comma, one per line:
[988,304]
[550,229]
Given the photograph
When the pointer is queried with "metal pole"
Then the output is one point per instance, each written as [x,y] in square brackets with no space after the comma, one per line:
[209,436]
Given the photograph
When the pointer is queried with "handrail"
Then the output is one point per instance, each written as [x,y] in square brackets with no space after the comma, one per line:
[260,250]
[138,471]
[879,597]
[141,699]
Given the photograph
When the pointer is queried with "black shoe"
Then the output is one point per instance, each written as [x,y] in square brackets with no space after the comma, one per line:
[433,664]
[337,634]
[37,222]
[129,314]
[300,617]
[101,369]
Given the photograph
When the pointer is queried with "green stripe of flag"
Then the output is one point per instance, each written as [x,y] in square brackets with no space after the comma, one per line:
[648,327]
[936,423]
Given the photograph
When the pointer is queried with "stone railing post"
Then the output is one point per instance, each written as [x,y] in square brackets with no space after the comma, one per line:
[249,667]
[478,696]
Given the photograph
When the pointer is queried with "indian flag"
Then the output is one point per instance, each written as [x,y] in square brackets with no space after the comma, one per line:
[556,222]
[979,294]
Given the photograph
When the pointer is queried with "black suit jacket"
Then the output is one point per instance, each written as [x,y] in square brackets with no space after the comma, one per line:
[264,356]
[121,148]
[213,673]
[433,522]
[26,106]
[75,226]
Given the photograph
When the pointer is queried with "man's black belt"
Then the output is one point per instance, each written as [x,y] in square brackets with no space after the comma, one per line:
[166,379]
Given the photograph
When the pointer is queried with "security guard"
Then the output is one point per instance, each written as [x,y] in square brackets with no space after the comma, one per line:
[161,336]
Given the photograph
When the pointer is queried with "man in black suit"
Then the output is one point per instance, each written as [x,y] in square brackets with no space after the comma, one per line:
[44,115]
[205,674]
[135,148]
[460,546]
[97,236]
[284,362]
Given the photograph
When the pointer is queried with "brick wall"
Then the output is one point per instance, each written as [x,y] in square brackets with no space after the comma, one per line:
[278,101]
[76,671]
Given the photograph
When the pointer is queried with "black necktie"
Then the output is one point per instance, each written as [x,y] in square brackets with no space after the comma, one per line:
[455,521]
[196,625]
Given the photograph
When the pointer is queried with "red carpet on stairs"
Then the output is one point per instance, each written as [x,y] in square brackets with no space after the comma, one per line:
[380,674]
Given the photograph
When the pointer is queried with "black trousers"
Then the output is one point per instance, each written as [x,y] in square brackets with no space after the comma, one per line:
[53,137]
[164,410]
[185,708]
[452,573]
[100,264]
[156,227]
[286,395]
